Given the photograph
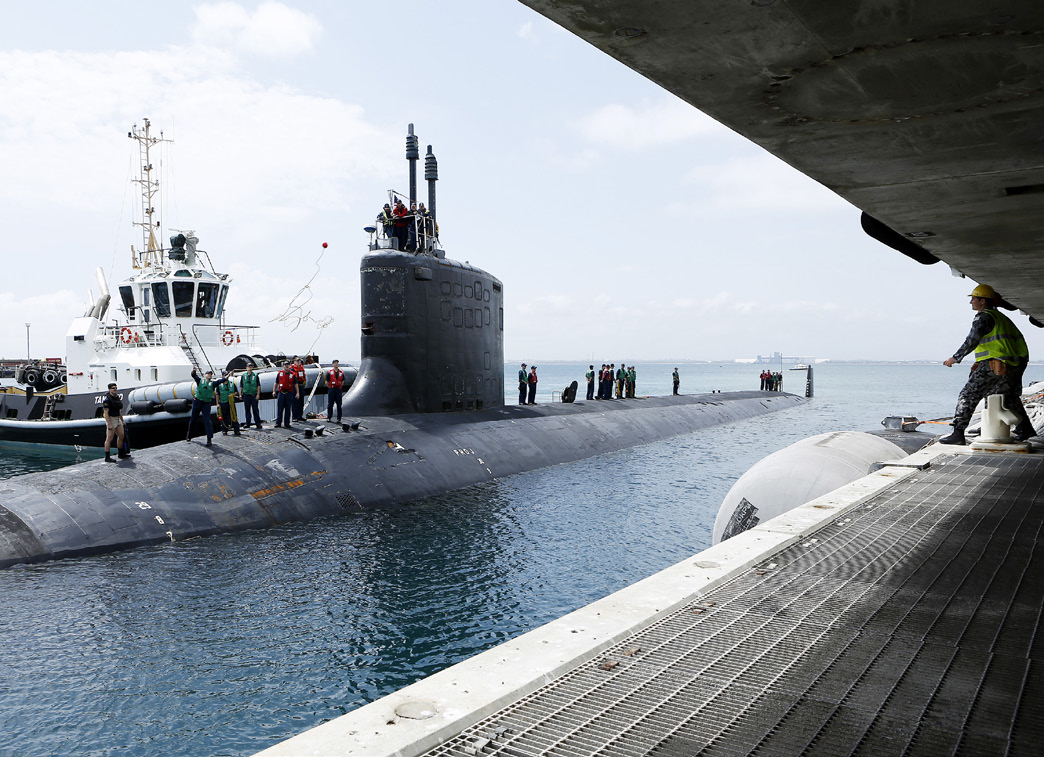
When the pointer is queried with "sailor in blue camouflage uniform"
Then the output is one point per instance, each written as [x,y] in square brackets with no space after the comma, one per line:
[202,401]
[1001,356]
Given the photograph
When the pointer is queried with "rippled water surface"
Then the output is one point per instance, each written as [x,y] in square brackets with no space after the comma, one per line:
[224,645]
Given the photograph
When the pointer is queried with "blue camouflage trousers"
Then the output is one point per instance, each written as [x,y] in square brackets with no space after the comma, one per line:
[982,383]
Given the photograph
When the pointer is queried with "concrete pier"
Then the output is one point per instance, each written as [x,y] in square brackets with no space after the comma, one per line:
[896,615]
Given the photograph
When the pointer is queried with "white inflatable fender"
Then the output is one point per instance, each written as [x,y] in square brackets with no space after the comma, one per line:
[798,474]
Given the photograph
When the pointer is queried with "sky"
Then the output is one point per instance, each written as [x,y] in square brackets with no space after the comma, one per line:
[624,224]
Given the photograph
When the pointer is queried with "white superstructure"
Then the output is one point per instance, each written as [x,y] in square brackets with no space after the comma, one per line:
[170,315]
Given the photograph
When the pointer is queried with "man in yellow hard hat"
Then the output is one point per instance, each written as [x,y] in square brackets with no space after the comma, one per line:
[1001,356]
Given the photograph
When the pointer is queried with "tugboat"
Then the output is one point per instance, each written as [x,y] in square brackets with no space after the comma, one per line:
[171,319]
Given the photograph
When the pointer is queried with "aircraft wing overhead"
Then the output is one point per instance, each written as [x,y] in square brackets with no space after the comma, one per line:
[928,116]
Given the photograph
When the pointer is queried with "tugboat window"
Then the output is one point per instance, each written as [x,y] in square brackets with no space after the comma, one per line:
[161,295]
[127,295]
[221,302]
[183,294]
[206,302]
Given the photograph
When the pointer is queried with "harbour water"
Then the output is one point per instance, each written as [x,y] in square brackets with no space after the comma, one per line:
[227,644]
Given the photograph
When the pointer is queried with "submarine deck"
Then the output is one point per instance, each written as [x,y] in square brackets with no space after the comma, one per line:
[897,615]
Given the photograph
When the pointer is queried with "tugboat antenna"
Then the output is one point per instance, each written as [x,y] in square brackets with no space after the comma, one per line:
[151,254]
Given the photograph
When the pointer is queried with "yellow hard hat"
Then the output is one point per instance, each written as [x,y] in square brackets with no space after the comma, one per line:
[985,291]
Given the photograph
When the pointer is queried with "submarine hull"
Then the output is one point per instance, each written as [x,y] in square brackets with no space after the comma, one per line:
[184,490]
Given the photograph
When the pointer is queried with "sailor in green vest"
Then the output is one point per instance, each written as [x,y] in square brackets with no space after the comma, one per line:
[523,384]
[202,399]
[1001,356]
[590,383]
[250,391]
[677,380]
[226,395]
[632,379]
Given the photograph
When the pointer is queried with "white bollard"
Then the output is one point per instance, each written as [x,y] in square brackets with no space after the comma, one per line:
[997,421]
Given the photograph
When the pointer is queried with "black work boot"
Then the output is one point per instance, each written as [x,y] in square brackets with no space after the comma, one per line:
[108,457]
[956,437]
[1023,432]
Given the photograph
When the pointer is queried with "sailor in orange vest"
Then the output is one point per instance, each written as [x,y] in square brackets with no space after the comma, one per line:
[286,391]
[299,379]
[334,386]
[402,230]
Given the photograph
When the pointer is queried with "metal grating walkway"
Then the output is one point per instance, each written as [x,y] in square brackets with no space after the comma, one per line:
[907,627]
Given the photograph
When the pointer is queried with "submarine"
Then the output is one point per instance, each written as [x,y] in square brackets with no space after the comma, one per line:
[425,415]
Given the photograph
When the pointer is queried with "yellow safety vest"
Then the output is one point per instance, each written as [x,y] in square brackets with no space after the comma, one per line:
[1004,342]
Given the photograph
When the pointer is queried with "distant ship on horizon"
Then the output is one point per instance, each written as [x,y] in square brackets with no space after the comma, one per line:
[778,358]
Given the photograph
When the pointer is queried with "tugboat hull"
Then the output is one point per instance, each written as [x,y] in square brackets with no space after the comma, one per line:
[75,420]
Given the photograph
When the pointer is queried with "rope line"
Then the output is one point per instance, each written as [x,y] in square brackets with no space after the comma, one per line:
[295,313]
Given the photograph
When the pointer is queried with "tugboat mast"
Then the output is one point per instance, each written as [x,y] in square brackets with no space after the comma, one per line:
[151,254]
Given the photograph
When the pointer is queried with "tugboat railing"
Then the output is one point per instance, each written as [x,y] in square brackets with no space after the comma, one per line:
[131,336]
[160,335]
[241,337]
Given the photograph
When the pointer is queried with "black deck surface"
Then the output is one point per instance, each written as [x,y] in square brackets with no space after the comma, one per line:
[909,626]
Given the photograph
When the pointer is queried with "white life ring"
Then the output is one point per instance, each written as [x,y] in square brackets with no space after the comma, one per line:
[227,338]
[126,335]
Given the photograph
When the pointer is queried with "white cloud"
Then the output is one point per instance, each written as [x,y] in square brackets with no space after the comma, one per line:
[761,182]
[728,302]
[527,33]
[47,332]
[252,162]
[273,30]
[550,305]
[806,306]
[286,152]
[665,121]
